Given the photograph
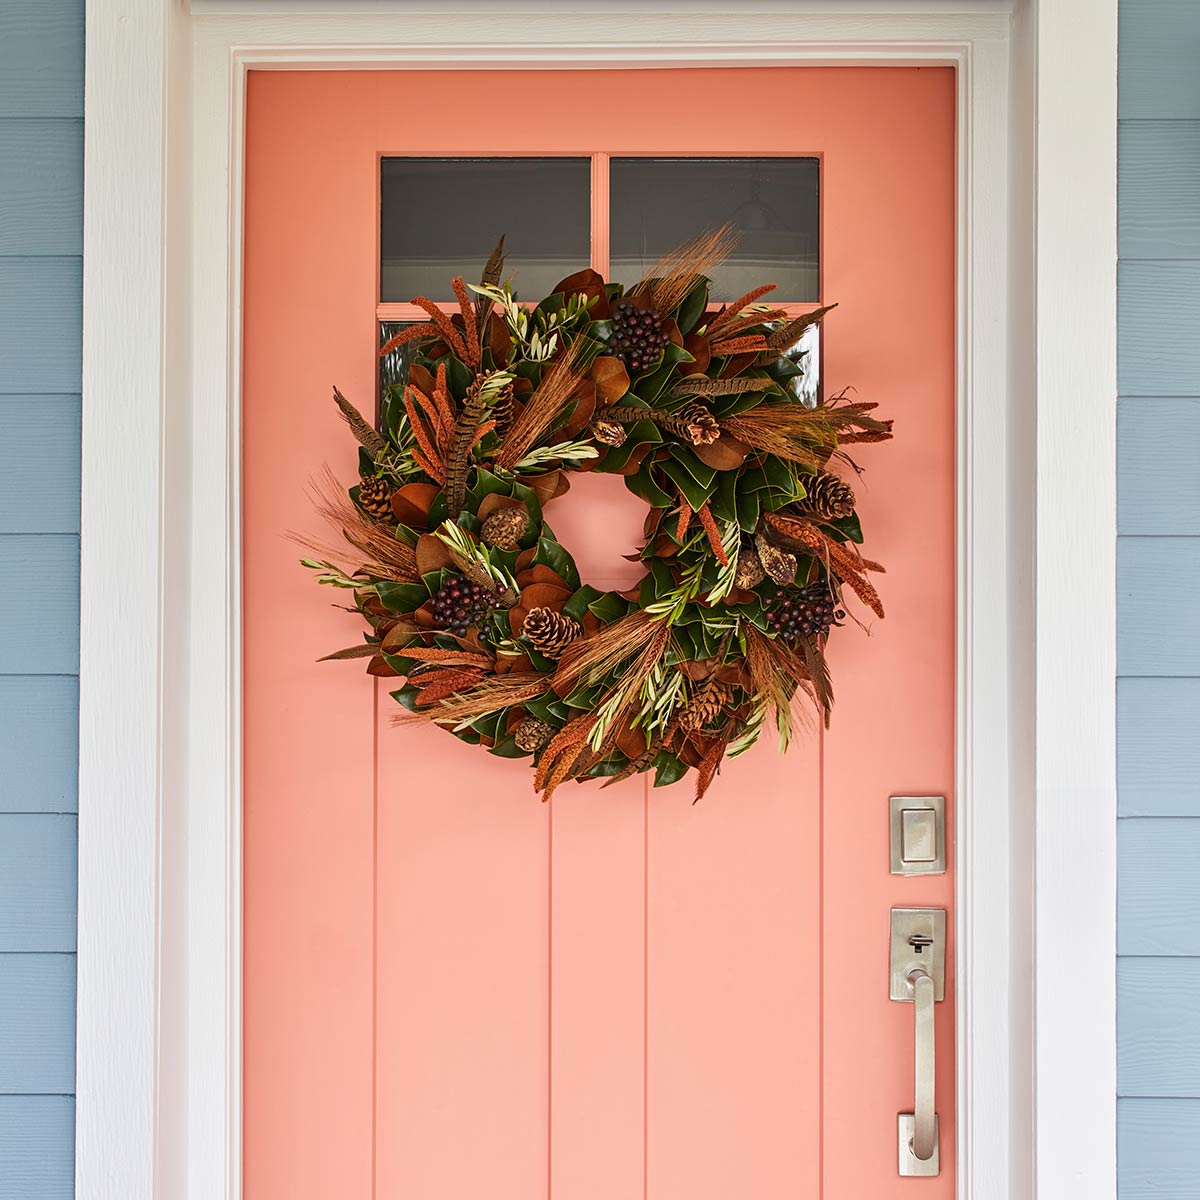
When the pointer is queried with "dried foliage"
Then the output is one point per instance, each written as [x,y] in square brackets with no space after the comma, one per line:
[380,554]
[545,407]
[477,611]
[675,274]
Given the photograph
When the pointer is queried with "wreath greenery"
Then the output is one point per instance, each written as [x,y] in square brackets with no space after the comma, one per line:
[751,538]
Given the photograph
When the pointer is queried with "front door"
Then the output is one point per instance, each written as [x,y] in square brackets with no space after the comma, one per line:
[453,990]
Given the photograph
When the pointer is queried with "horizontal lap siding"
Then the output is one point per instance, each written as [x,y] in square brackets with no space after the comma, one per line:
[1158,694]
[41,224]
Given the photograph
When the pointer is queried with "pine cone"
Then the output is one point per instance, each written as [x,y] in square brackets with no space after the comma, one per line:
[550,632]
[779,564]
[608,433]
[505,528]
[706,705]
[829,497]
[532,734]
[375,497]
[502,411]
[749,571]
[697,424]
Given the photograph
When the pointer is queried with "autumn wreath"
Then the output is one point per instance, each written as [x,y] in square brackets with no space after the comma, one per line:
[750,537]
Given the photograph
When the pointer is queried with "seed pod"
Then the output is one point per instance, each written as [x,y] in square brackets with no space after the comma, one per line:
[779,564]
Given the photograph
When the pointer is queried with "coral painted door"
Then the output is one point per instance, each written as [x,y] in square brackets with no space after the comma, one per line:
[453,991]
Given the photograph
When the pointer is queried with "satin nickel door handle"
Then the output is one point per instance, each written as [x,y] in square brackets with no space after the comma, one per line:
[918,977]
[924,1139]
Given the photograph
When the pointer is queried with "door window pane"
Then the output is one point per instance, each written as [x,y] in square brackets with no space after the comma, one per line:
[440,217]
[773,203]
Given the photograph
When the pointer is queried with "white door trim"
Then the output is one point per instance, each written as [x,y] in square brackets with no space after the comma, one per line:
[158,1110]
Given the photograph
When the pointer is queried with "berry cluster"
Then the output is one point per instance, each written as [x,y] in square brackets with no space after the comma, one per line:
[807,611]
[460,604]
[637,335]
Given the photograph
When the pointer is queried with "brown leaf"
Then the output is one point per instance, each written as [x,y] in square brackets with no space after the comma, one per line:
[611,380]
[411,503]
[366,650]
[547,487]
[544,595]
[432,554]
[585,406]
[700,348]
[586,283]
[725,454]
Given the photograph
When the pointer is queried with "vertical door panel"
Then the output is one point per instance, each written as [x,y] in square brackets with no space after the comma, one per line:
[462,967]
[309,757]
[889,250]
[598,865]
[734,981]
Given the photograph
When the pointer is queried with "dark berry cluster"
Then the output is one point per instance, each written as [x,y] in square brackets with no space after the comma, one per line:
[637,335]
[461,603]
[807,611]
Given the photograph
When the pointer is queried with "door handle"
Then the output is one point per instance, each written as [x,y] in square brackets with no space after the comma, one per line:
[918,977]
[924,1137]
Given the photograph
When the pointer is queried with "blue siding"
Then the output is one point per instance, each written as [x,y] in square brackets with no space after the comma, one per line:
[1158,603]
[41,233]
[37,1147]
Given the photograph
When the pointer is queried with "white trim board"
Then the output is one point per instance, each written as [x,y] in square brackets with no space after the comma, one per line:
[159,937]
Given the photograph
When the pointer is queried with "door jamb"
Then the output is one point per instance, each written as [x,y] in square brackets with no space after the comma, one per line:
[158,1086]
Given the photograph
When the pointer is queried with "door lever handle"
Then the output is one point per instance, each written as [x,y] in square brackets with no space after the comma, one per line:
[918,976]
[924,1138]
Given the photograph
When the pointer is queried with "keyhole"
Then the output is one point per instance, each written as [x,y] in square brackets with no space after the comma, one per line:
[919,941]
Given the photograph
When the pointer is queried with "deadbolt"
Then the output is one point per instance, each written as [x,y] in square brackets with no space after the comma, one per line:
[917,828]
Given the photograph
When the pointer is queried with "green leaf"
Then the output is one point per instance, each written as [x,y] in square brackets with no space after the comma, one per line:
[740,402]
[508,748]
[459,376]
[402,598]
[724,500]
[643,486]
[693,491]
[668,769]
[491,724]
[551,554]
[849,528]
[701,472]
[609,607]
[748,509]
[580,602]
[638,434]
[407,697]
[658,584]
[692,306]
[650,387]
[609,766]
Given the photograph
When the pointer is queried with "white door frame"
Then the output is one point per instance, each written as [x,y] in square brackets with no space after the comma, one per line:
[158,1108]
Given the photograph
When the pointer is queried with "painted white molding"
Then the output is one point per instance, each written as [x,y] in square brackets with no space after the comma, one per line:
[121,613]
[1076,223]
[159,1046]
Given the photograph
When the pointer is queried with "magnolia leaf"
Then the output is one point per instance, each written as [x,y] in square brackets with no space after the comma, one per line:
[725,454]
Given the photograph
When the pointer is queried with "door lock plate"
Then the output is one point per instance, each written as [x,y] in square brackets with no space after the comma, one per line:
[909,1163]
[918,944]
[917,827]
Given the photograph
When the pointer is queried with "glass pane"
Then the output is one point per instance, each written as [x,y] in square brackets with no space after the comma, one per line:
[807,354]
[658,203]
[440,217]
[393,366]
